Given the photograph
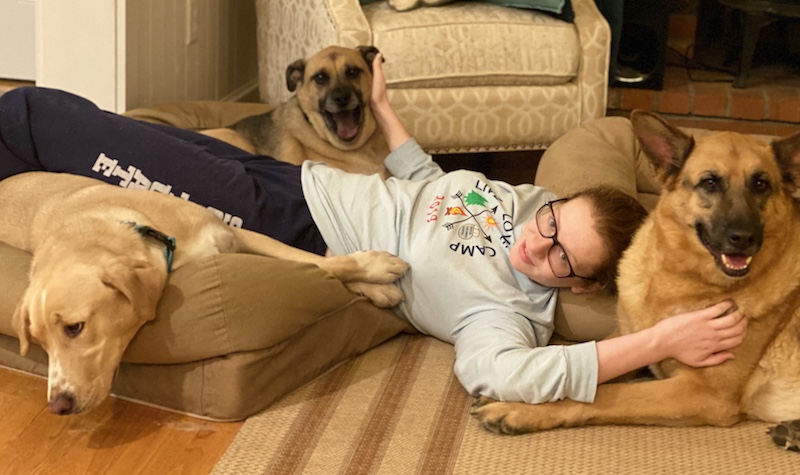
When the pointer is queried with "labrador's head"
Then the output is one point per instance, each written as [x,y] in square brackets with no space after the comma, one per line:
[84,307]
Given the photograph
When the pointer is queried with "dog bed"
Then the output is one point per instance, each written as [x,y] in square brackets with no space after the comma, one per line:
[233,333]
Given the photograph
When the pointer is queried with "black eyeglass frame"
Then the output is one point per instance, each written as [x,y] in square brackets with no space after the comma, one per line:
[556,245]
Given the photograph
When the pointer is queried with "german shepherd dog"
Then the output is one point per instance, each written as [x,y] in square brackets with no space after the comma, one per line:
[726,226]
[329,118]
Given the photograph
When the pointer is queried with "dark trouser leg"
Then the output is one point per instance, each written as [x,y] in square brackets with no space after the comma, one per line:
[50,130]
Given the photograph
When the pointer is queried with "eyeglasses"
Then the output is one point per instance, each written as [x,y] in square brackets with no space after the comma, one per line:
[556,256]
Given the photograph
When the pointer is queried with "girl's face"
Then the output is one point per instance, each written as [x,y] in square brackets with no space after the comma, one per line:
[583,247]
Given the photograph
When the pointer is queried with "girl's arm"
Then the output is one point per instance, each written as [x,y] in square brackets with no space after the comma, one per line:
[700,338]
[390,124]
[498,354]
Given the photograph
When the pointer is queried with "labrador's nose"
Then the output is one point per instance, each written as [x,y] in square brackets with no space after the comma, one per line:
[62,404]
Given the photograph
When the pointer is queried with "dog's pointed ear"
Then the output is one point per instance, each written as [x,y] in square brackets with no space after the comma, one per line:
[139,281]
[787,152]
[294,74]
[369,53]
[666,146]
[21,322]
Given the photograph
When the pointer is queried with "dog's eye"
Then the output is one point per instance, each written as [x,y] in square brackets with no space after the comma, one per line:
[761,185]
[320,78]
[73,330]
[353,73]
[710,184]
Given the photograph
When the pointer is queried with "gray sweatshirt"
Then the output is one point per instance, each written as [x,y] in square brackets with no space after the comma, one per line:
[455,230]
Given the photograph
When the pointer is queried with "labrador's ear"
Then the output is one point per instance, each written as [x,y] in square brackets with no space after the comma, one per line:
[139,281]
[21,322]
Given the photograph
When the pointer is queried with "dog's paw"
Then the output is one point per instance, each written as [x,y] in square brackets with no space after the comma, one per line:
[380,267]
[786,435]
[481,401]
[507,418]
[381,295]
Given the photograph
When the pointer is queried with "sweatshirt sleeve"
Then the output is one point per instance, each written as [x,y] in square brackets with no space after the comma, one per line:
[410,162]
[498,355]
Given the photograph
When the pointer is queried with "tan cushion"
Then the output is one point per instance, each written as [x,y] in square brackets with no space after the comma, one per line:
[473,44]
[198,115]
[602,151]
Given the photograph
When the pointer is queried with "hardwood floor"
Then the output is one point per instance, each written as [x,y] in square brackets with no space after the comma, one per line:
[118,437]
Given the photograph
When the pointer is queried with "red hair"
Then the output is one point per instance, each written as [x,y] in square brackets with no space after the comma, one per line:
[617,216]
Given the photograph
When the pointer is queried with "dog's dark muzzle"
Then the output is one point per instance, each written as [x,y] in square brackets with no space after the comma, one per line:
[343,112]
[733,244]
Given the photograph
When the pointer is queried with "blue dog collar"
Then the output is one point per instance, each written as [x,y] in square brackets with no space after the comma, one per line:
[167,241]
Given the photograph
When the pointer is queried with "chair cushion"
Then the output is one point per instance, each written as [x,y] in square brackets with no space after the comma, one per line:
[473,44]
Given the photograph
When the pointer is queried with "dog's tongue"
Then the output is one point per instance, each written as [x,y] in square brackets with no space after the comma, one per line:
[736,261]
[346,126]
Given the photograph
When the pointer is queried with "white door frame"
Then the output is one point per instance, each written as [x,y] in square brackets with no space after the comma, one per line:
[80,48]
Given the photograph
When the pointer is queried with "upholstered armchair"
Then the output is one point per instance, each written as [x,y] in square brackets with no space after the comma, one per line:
[466,76]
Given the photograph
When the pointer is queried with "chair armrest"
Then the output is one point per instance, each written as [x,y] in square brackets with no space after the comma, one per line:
[595,39]
[350,23]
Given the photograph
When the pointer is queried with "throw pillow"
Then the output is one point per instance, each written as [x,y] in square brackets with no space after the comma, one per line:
[561,9]
[404,5]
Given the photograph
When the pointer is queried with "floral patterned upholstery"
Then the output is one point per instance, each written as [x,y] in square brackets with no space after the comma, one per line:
[466,76]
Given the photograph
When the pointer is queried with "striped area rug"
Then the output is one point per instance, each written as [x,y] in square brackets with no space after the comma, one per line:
[398,409]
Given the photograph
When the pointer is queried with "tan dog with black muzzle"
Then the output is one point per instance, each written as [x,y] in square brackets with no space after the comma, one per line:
[329,119]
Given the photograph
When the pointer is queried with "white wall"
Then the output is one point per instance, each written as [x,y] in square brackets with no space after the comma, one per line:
[77,49]
[124,54]
[17,39]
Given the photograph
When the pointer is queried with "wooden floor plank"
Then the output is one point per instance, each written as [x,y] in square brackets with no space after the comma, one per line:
[116,437]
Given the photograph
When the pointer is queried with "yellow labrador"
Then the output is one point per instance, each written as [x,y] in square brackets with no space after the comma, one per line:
[101,257]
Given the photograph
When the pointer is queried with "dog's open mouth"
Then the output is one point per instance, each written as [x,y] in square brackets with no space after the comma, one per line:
[346,124]
[733,264]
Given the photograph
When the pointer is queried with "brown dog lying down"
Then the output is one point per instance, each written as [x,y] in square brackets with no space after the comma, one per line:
[101,257]
[329,119]
[726,226]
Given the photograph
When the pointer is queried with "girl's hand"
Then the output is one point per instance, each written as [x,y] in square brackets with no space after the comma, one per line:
[392,127]
[703,337]
[379,97]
